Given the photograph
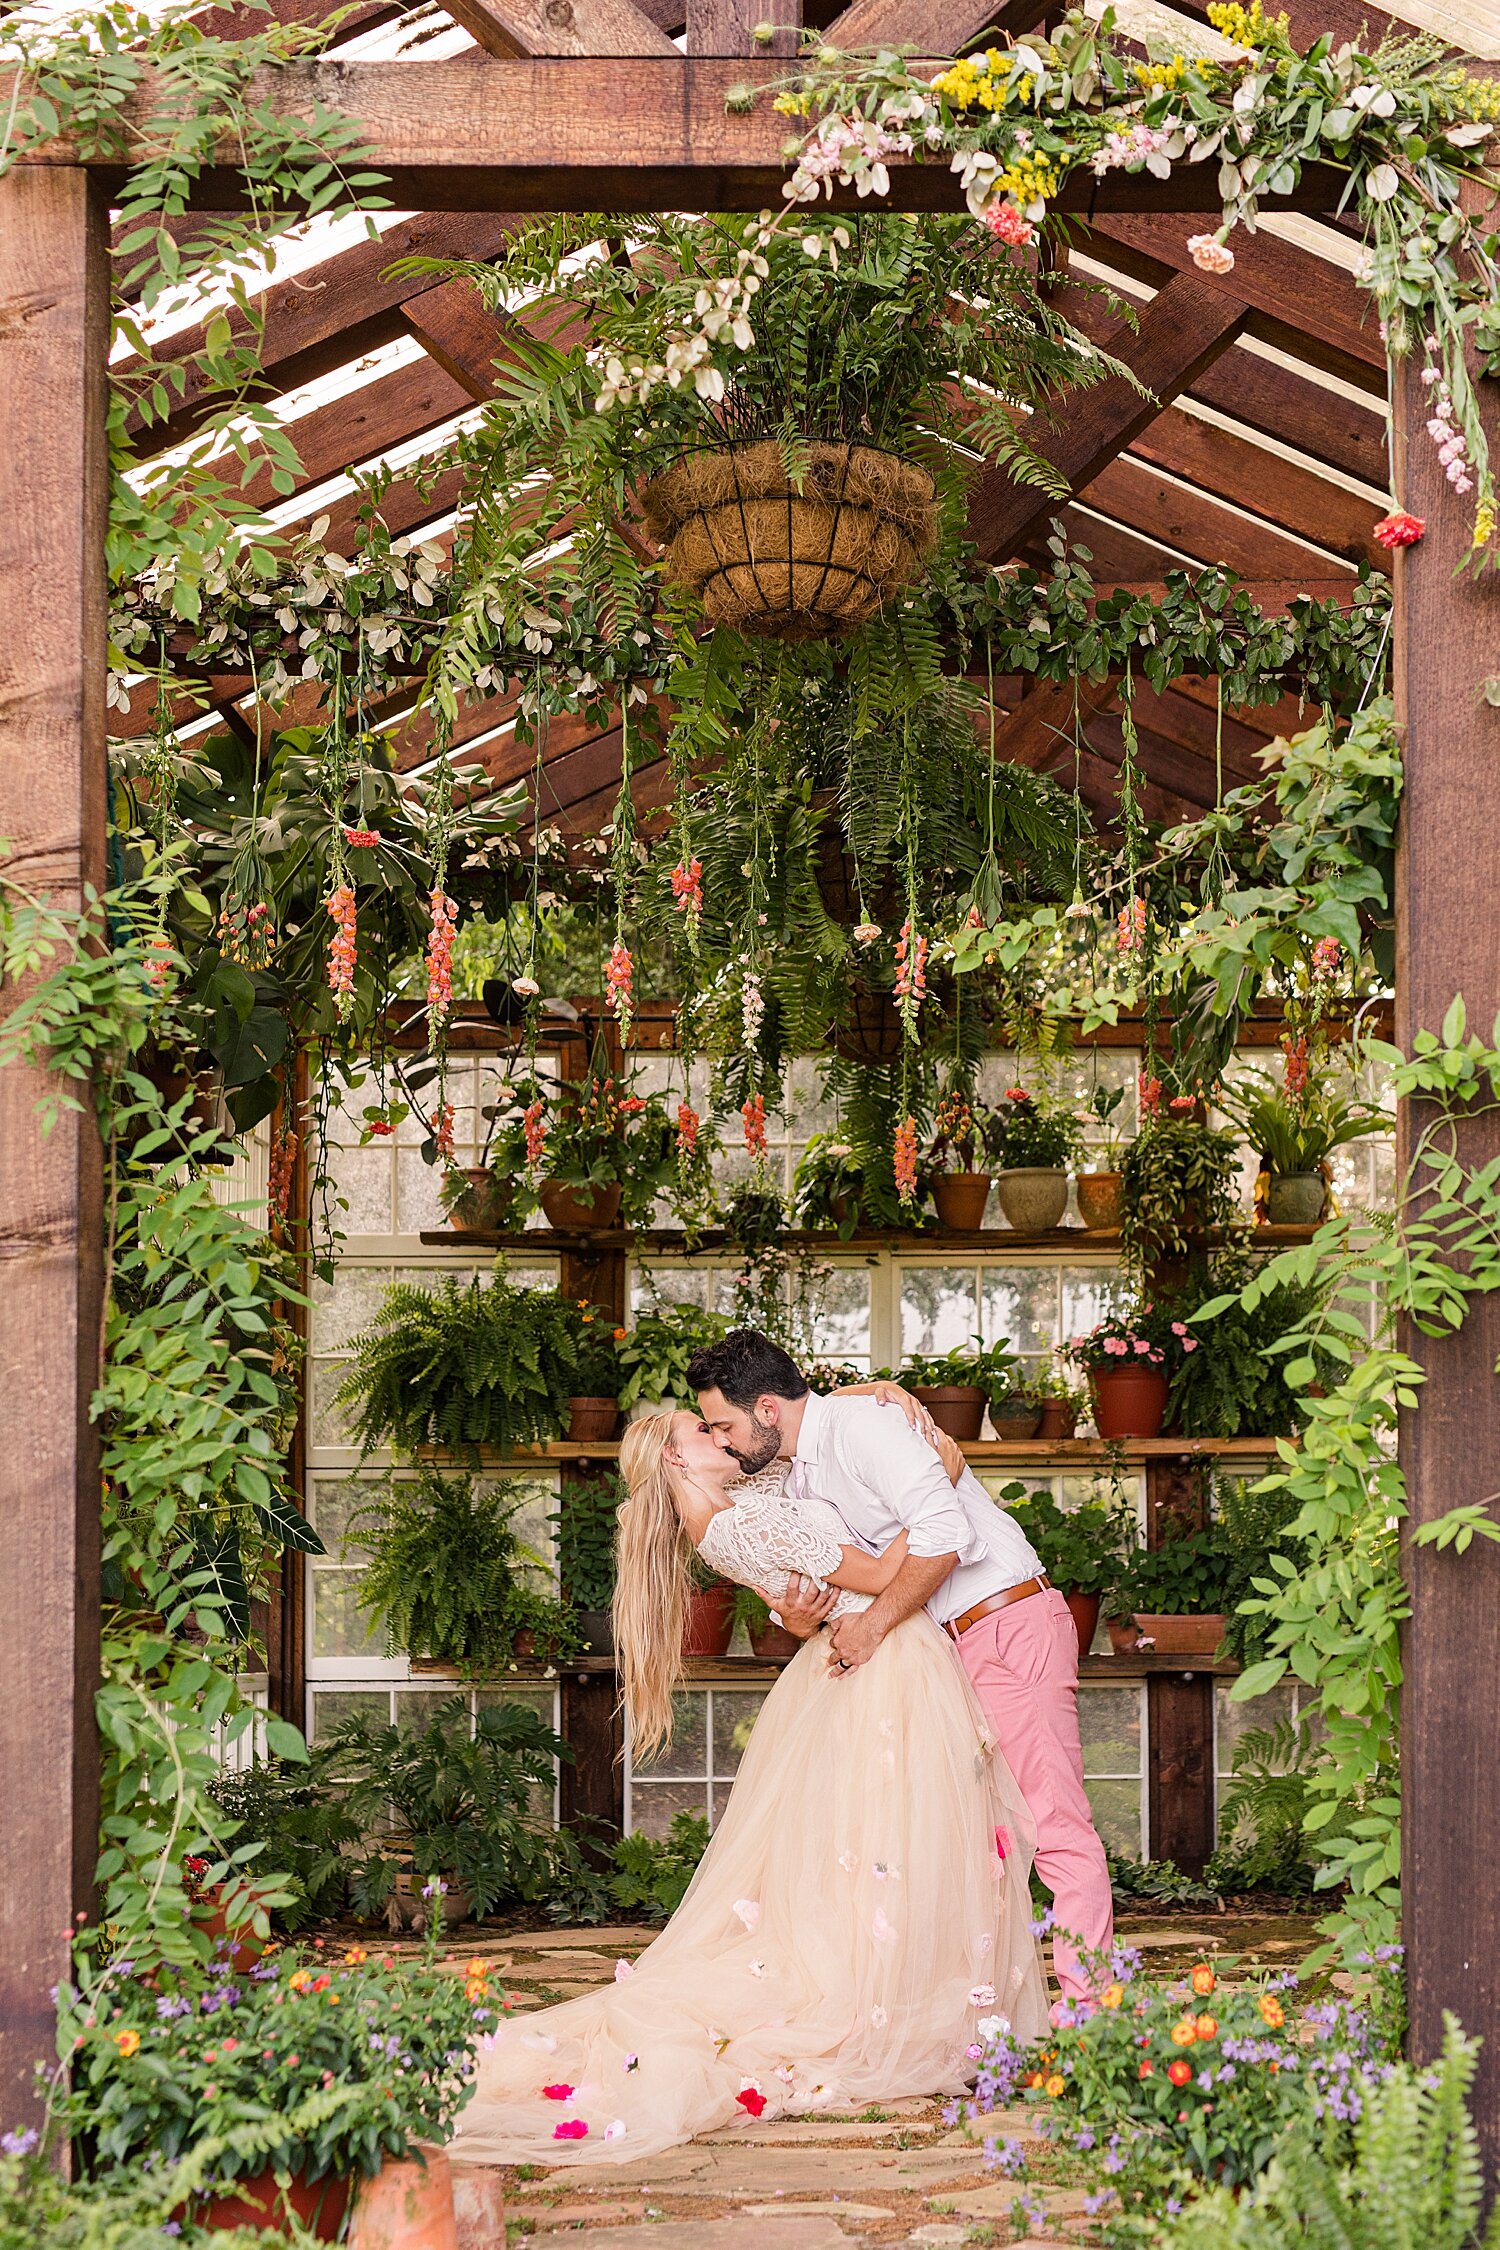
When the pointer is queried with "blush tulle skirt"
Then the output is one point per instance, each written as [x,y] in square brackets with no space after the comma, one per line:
[862,1908]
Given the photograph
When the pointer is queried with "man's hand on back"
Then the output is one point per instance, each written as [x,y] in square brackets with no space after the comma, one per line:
[803,1607]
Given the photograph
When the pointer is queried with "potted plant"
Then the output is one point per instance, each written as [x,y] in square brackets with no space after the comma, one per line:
[708,1627]
[1177,1594]
[1081,1549]
[1294,1136]
[585,1531]
[1100,1185]
[450,1580]
[1062,1403]
[951,1387]
[476,1200]
[267,2090]
[1179,1182]
[828,1187]
[594,1408]
[608,1152]
[965,1138]
[771,1642]
[654,1354]
[1036,1142]
[1130,1359]
[463,1366]
[1014,1394]
[456,1816]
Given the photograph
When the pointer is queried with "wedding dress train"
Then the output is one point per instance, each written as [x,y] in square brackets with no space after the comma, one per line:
[862,1908]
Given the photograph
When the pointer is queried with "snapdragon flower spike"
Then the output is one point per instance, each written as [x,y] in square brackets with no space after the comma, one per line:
[342,949]
[687,888]
[904,1160]
[534,1124]
[753,1116]
[444,913]
[689,1124]
[619,981]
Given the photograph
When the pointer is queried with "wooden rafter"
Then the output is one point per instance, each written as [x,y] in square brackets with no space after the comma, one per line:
[560,27]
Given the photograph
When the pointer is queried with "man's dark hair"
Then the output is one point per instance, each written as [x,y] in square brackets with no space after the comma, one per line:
[745,1366]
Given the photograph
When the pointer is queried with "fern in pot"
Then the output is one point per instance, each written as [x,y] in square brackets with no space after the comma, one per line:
[585,1532]
[450,1578]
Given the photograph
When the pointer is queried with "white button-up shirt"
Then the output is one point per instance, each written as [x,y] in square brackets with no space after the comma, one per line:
[884,1478]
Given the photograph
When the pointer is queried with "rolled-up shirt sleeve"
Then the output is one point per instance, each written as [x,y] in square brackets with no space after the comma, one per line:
[880,1448]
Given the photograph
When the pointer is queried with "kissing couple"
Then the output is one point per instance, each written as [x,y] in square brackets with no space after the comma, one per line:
[861,1919]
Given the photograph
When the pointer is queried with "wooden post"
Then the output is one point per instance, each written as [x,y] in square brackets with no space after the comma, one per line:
[1179,1705]
[53,497]
[1446,639]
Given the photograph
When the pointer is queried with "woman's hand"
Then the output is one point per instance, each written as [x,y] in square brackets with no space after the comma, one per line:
[891,1394]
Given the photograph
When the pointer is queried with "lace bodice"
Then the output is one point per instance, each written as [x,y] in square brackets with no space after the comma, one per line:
[768,1533]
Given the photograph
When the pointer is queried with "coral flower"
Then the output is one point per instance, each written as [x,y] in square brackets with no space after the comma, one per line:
[904,1160]
[1006,224]
[159,961]
[619,978]
[534,1119]
[1209,254]
[1203,1976]
[753,1113]
[361,839]
[444,911]
[1206,2026]
[911,966]
[1179,2072]
[1271,2011]
[127,2041]
[441,1124]
[1399,529]
[342,949]
[1184,2033]
[687,888]
[688,1126]
[1146,2070]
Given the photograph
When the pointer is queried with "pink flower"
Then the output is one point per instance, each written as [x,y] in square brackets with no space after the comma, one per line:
[750,2098]
[904,1160]
[619,973]
[1399,529]
[911,966]
[557,2093]
[1115,1346]
[571,2129]
[361,839]
[444,912]
[1006,224]
[341,949]
[688,1124]
[1190,1344]
[624,1969]
[1179,1328]
[1140,1344]
[687,887]
[753,1117]
[1209,254]
[748,1911]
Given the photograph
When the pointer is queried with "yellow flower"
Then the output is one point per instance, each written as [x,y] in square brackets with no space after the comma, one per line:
[1166,75]
[1055,2085]
[300,1979]
[1184,2033]
[334,1999]
[1203,1980]
[1484,523]
[355,1955]
[127,2041]
[1271,2011]
[1111,1996]
[1247,27]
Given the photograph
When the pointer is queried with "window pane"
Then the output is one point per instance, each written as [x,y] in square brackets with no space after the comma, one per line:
[1088,1293]
[363,1177]
[938,1312]
[338,1626]
[327,1424]
[341,1311]
[334,1502]
[687,1752]
[1117,1815]
[653,1804]
[1109,1721]
[1232,1721]
[735,1714]
[331,1706]
[842,1325]
[1020,1307]
[676,1285]
[419,1185]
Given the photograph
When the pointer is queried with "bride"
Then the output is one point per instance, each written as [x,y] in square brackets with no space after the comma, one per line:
[863,1906]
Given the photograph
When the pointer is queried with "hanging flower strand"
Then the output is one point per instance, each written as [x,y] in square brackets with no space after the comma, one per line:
[753,1114]
[342,949]
[534,1122]
[619,983]
[911,973]
[904,1159]
[444,912]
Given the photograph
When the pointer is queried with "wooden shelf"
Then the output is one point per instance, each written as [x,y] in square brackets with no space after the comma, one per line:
[747,1671]
[984,1453]
[1056,1242]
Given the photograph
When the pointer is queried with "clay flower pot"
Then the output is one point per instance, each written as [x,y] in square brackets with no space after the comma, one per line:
[584,1207]
[1100,1197]
[1295,1199]
[710,1621]
[1124,1635]
[957,1408]
[407,1909]
[260,2201]
[960,1198]
[1059,1419]
[1085,1613]
[481,1207]
[407,2206]
[1129,1401]
[1016,1419]
[1196,1635]
[1033,1198]
[773,1644]
[592,1420]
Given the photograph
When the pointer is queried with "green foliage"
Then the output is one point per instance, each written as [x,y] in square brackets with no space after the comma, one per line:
[585,1528]
[280,2066]
[828,1187]
[1299,1134]
[1081,1549]
[1409,2172]
[449,1578]
[39,2210]
[1180,1180]
[1036,1132]
[302,1828]
[1254,1518]
[1263,1813]
[652,1874]
[468,1810]
[1155,1882]
[478,1366]
[1191,1574]
[596,1341]
[993,1369]
[655,1353]
[1235,1384]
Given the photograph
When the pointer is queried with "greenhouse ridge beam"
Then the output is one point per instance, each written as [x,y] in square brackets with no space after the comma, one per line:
[482,134]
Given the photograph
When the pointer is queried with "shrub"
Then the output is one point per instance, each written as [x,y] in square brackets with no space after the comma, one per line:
[585,1528]
[651,1875]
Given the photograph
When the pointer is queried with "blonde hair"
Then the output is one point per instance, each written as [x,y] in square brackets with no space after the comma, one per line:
[653,1583]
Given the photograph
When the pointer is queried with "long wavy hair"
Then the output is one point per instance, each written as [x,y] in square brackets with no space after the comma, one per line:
[653,1583]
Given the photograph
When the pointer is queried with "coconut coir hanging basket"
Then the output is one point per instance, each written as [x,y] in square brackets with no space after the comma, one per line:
[790,565]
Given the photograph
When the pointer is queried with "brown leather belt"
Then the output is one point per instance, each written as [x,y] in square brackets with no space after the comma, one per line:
[1028,1586]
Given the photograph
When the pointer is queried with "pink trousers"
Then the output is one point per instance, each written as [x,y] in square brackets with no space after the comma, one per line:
[1023,1662]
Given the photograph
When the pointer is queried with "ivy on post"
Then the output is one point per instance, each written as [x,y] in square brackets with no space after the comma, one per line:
[53,345]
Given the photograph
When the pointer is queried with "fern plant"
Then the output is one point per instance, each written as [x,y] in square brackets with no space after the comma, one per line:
[449,1578]
[1263,1811]
[479,1366]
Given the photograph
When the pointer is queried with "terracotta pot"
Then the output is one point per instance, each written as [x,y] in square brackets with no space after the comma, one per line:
[210,1918]
[1059,1419]
[710,1621]
[773,1644]
[1014,1422]
[1295,1199]
[1198,1635]
[1100,1196]
[1128,1401]
[957,1408]
[592,1420]
[478,2204]
[407,2206]
[960,1198]
[1033,1198]
[584,1207]
[1124,1635]
[1085,1612]
[406,1909]
[596,1630]
[481,1207]
[258,2200]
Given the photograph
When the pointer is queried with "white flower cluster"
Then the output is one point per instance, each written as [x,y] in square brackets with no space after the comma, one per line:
[720,307]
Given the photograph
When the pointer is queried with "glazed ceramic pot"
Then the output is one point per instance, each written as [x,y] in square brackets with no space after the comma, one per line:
[1295,1199]
[1033,1198]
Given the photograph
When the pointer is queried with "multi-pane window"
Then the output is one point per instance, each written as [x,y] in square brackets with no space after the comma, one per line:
[696,1770]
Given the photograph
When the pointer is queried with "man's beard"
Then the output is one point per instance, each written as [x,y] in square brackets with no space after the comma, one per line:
[765,1444]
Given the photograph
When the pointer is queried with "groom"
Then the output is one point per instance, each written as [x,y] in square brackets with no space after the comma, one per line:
[967,1562]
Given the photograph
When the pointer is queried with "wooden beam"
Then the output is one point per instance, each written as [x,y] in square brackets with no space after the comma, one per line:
[1322,423]
[1039,732]
[729,27]
[1448,942]
[242,23]
[1303,304]
[1185,328]
[483,134]
[1298,500]
[382,414]
[54,343]
[1199,525]
[559,27]
[931,27]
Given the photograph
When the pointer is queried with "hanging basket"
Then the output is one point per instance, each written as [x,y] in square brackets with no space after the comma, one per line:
[871,1030]
[792,565]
